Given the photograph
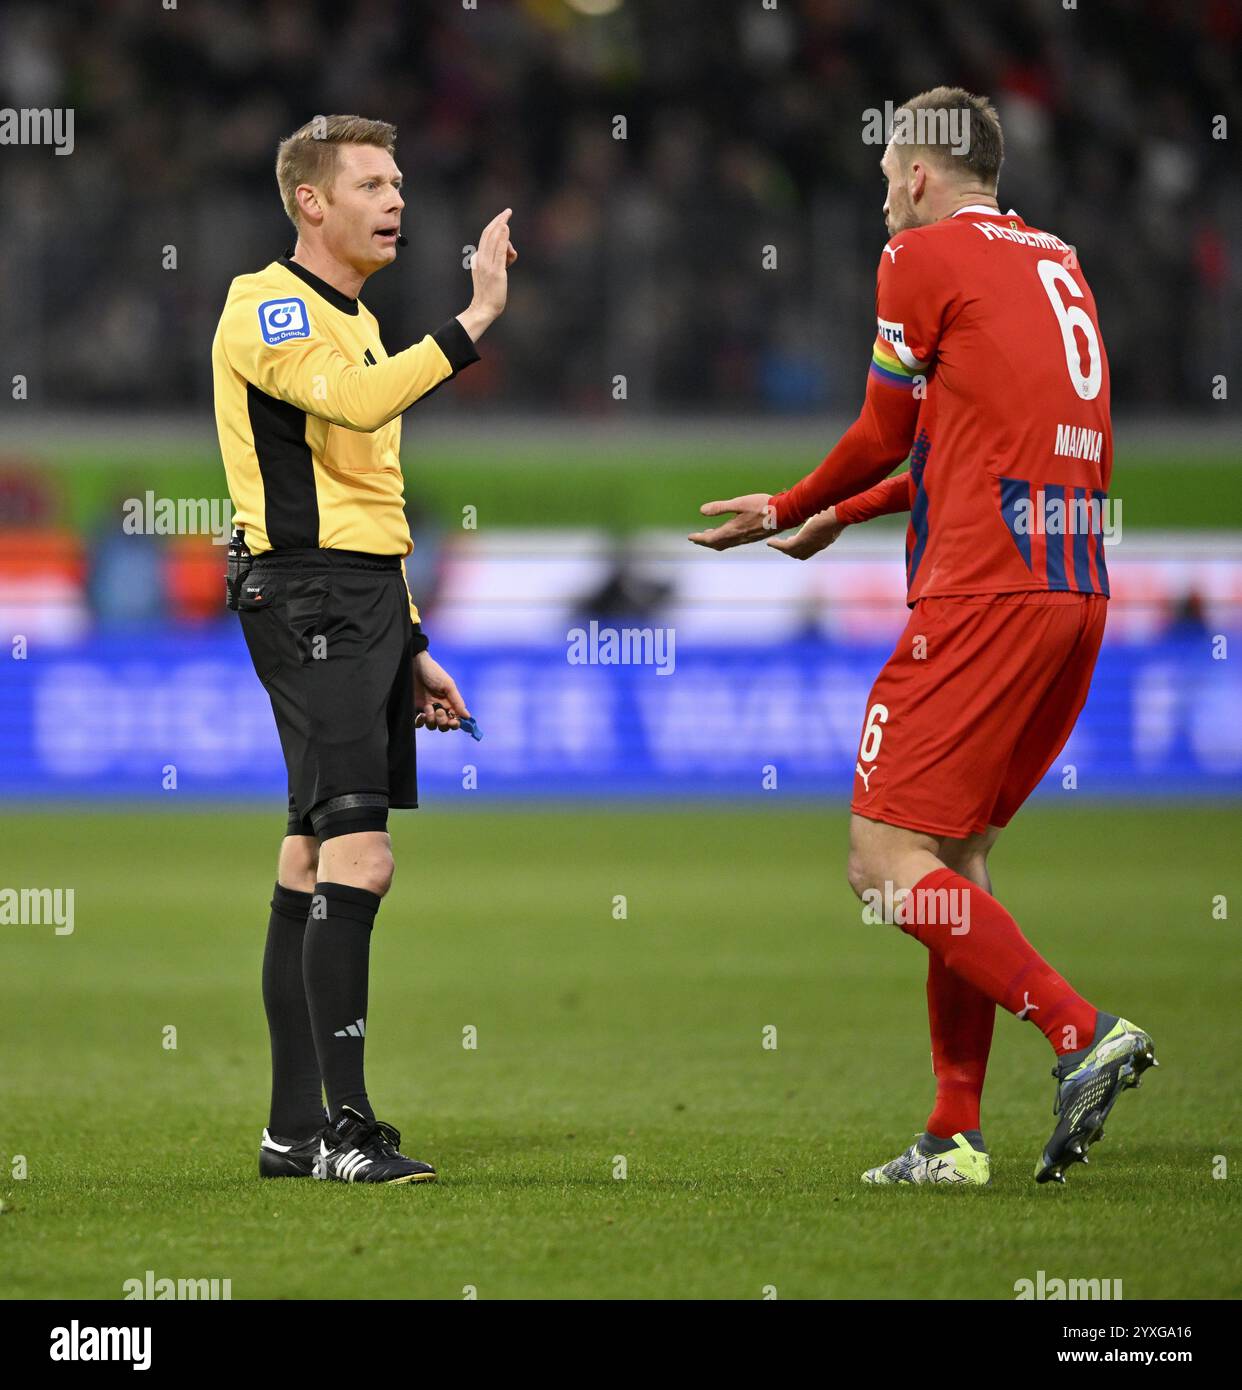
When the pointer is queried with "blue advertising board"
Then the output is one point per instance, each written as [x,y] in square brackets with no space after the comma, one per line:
[179,714]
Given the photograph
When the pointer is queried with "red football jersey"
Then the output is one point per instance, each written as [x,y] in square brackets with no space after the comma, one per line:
[1013,448]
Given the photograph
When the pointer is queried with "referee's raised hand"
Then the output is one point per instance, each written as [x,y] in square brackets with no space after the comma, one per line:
[489,269]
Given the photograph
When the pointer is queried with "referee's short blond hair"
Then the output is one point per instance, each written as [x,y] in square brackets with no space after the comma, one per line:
[312,154]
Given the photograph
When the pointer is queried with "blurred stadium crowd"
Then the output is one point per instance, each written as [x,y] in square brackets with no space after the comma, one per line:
[641,256]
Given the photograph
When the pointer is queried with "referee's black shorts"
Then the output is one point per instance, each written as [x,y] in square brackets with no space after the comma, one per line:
[332,640]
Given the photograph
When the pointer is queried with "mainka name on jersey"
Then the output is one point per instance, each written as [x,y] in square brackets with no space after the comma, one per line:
[1078,442]
[1041,241]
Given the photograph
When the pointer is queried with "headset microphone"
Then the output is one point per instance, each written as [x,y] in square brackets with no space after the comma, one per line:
[402,241]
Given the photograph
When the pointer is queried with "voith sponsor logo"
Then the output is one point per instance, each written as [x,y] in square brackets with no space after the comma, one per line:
[891,332]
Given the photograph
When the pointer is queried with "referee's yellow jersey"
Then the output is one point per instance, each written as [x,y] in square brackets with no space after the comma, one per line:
[308,409]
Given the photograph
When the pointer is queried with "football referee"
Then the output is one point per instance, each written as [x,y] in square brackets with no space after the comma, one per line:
[308,408]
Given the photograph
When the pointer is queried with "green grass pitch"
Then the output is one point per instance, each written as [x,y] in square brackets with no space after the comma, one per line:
[601,1039]
[616,485]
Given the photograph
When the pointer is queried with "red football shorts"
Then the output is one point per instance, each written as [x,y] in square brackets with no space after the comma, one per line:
[976,701]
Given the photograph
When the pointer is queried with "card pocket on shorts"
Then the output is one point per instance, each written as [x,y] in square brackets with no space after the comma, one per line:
[256,608]
[255,595]
[305,602]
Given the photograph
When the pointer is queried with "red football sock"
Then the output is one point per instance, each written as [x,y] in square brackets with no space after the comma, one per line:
[961,1021]
[977,939]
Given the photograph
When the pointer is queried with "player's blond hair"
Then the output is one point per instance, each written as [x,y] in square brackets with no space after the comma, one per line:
[985,147]
[313,154]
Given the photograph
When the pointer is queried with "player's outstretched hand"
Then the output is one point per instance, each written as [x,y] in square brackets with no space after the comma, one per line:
[436,696]
[754,520]
[818,533]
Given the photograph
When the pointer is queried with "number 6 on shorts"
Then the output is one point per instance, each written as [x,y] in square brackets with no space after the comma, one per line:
[873,733]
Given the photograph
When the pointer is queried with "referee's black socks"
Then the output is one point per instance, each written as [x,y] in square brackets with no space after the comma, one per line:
[297,1105]
[336,959]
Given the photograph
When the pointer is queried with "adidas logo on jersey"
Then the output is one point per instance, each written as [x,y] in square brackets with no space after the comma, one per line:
[357,1029]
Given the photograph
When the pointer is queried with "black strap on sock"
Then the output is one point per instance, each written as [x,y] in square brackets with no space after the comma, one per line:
[340,900]
[288,902]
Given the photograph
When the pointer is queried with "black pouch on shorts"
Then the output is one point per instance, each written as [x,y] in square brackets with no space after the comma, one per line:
[236,569]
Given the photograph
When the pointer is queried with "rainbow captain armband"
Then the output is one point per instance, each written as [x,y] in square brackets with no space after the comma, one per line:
[887,367]
[892,362]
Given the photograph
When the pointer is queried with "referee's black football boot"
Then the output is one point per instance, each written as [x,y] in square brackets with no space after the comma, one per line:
[355,1149]
[1088,1086]
[288,1158]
